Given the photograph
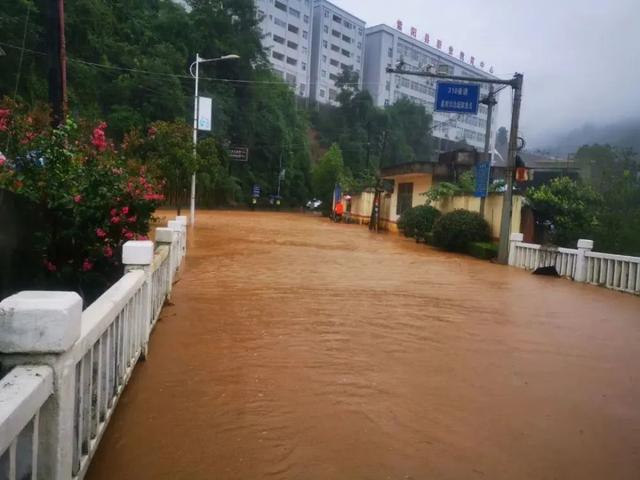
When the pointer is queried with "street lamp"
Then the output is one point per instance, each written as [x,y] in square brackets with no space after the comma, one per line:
[195,75]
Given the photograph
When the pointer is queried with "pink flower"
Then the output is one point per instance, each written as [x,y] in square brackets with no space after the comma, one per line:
[152,132]
[114,212]
[86,265]
[3,159]
[129,235]
[77,198]
[99,139]
[101,233]
[108,251]
[143,237]
[125,210]
[115,220]
[133,219]
[50,266]
[4,120]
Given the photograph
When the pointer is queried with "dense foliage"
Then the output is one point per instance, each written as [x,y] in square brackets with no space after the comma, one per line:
[128,65]
[372,137]
[418,221]
[326,174]
[456,230]
[603,206]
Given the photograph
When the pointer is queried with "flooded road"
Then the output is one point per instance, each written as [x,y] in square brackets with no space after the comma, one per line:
[300,349]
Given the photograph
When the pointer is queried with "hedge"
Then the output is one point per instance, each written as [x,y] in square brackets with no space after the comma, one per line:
[455,231]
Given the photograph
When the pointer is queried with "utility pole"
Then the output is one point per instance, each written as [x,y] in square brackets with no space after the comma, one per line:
[515,83]
[490,102]
[57,60]
[505,226]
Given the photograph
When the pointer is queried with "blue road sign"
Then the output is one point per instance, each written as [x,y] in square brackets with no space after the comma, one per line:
[457,97]
[256,191]
[483,169]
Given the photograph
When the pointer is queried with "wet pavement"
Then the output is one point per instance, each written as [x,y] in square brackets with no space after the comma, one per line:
[300,349]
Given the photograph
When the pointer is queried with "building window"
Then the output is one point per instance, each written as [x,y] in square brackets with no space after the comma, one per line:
[360,31]
[336,33]
[291,79]
[390,52]
[333,94]
[326,29]
[323,73]
[326,13]
[304,67]
[324,59]
[325,44]
[322,93]
[346,39]
[292,61]
[280,23]
[337,19]
[305,50]
[405,198]
[294,13]
[292,45]
[305,34]
[303,88]
[333,77]
[293,29]
[334,63]
[306,19]
[278,39]
[277,55]
[348,25]
[335,48]
[358,59]
[281,6]
[359,45]
[388,86]
[346,53]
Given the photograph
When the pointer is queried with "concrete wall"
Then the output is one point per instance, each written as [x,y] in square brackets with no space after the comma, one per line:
[362,204]
[492,211]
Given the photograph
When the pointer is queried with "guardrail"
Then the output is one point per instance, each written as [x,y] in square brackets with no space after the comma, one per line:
[617,272]
[72,366]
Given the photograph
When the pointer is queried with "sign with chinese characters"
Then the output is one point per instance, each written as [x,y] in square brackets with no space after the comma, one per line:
[204,114]
[239,154]
[483,170]
[457,98]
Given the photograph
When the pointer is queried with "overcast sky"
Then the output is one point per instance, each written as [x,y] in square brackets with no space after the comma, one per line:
[580,58]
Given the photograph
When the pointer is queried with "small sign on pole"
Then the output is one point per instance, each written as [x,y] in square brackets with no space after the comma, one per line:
[239,154]
[457,97]
[205,107]
[483,170]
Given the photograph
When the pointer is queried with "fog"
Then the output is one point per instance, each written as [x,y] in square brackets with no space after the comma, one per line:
[580,58]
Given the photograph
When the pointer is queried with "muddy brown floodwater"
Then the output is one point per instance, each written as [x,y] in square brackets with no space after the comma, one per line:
[300,349]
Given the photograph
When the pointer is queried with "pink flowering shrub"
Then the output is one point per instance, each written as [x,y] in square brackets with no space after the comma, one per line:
[95,198]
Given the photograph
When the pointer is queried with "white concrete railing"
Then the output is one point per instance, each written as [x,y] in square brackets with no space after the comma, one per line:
[617,272]
[72,366]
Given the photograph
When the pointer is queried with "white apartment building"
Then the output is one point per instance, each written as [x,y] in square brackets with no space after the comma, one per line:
[287,31]
[387,46]
[338,43]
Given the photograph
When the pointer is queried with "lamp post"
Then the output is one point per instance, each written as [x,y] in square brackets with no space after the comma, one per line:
[196,114]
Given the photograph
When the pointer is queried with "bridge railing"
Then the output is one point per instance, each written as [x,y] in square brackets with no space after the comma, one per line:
[617,272]
[67,368]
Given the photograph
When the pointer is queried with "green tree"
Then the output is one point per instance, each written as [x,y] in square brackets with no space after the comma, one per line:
[326,174]
[566,210]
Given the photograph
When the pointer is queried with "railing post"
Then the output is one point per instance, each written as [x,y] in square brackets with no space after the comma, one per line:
[138,255]
[39,328]
[166,236]
[515,238]
[181,230]
[584,246]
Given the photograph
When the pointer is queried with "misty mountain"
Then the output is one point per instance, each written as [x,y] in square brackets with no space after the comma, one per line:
[622,134]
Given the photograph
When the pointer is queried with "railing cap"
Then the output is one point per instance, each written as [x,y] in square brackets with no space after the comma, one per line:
[137,252]
[176,225]
[585,244]
[40,322]
[517,237]
[165,235]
